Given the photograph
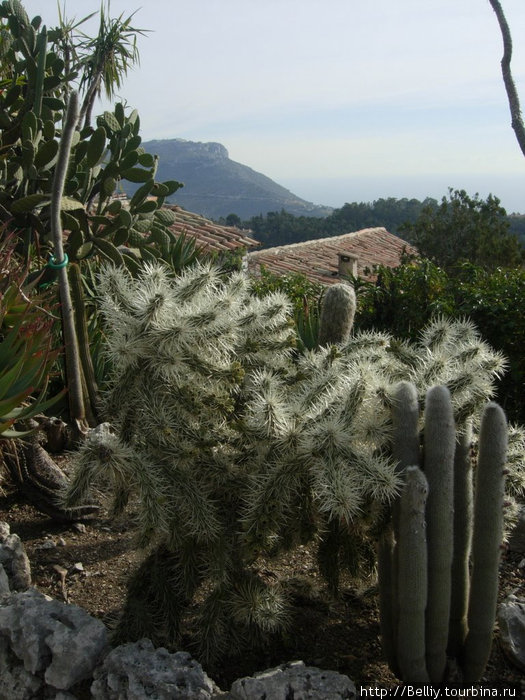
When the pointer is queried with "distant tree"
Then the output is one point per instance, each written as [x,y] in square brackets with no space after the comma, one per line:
[465,228]
[233,220]
[283,228]
[510,87]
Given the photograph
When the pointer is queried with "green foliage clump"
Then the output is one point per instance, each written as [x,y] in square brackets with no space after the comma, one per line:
[465,228]
[403,300]
[39,69]
[305,297]
[283,228]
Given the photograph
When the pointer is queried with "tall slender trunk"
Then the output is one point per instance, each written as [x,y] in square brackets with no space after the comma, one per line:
[73,369]
[510,87]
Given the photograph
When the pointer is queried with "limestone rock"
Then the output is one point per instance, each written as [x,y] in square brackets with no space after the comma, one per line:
[294,680]
[4,581]
[511,619]
[517,536]
[15,682]
[138,670]
[60,643]
[13,559]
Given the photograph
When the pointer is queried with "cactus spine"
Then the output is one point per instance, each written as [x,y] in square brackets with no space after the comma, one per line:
[459,608]
[337,314]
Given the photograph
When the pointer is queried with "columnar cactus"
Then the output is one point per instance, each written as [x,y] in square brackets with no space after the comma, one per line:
[486,541]
[337,314]
[459,610]
[463,522]
[439,441]
[412,571]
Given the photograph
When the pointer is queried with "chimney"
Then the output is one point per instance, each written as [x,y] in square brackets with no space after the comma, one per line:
[347,265]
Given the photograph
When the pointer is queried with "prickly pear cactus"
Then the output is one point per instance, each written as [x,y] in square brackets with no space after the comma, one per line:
[39,80]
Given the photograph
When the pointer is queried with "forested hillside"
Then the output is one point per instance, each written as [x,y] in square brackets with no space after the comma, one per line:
[283,228]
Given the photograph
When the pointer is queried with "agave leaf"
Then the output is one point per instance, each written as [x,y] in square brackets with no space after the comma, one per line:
[8,378]
[12,434]
[9,406]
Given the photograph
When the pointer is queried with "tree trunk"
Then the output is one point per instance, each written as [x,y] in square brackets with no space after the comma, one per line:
[73,371]
[514,103]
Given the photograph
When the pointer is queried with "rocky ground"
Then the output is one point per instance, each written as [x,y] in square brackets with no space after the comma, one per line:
[88,564]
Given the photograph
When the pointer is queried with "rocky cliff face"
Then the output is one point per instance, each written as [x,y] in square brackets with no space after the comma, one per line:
[215,185]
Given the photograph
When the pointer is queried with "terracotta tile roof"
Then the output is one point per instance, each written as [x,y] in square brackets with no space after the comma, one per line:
[319,259]
[210,236]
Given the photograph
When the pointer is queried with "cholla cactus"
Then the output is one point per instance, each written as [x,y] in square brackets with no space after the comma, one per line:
[452,353]
[229,446]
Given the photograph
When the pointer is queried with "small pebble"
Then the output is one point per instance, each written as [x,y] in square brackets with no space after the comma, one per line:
[61,542]
[77,567]
[79,527]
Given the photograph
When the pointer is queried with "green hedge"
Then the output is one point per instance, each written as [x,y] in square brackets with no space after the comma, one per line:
[403,299]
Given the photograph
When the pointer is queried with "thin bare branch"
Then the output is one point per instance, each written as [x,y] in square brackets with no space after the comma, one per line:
[510,87]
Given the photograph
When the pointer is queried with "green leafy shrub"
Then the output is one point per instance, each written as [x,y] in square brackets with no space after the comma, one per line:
[464,228]
[305,297]
[492,300]
[402,300]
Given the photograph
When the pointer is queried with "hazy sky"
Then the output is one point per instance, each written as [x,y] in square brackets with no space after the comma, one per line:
[338,100]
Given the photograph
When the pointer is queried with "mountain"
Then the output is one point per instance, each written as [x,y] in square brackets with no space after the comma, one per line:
[215,185]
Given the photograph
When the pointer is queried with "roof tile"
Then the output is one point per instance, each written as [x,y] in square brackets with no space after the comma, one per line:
[209,235]
[319,259]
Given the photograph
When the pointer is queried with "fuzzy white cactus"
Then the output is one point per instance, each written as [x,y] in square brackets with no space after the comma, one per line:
[224,441]
[229,445]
